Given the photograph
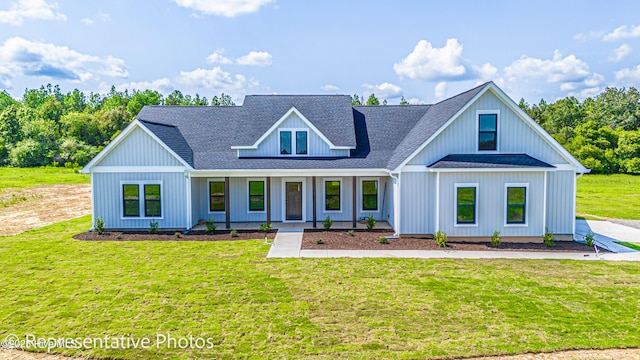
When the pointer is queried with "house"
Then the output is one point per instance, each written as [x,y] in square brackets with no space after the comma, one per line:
[468,165]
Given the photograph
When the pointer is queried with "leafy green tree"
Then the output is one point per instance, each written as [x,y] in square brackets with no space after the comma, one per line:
[223,100]
[83,126]
[139,99]
[355,100]
[74,101]
[6,100]
[373,100]
[10,125]
[617,108]
[403,101]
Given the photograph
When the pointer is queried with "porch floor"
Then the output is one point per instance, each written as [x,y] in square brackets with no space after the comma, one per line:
[278,225]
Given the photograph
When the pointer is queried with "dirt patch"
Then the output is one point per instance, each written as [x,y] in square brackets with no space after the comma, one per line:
[192,236]
[363,240]
[30,208]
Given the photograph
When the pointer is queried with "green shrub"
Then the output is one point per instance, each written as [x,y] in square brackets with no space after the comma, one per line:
[441,238]
[100,225]
[153,226]
[319,241]
[495,239]
[265,227]
[327,223]
[371,223]
[177,235]
[233,233]
[119,237]
[211,225]
[589,239]
[383,240]
[547,238]
[350,232]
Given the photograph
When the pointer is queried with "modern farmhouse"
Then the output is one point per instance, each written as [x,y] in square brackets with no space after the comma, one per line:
[468,165]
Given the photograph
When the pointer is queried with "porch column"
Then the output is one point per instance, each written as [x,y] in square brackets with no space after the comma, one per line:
[313,186]
[226,203]
[268,204]
[355,197]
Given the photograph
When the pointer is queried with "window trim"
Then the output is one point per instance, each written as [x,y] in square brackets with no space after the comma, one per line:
[477,134]
[248,200]
[475,207]
[361,198]
[209,181]
[141,199]
[324,195]
[526,204]
[294,142]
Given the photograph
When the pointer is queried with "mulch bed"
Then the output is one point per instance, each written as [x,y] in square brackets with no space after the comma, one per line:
[363,240]
[165,236]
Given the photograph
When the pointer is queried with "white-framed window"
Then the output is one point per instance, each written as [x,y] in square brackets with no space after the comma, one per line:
[516,201]
[141,199]
[487,129]
[293,142]
[466,204]
[256,192]
[332,195]
[370,194]
[217,195]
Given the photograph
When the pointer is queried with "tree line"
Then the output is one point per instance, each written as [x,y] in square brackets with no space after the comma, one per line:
[48,127]
[602,132]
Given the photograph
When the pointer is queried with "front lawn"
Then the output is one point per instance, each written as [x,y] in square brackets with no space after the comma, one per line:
[250,306]
[630,245]
[20,178]
[608,196]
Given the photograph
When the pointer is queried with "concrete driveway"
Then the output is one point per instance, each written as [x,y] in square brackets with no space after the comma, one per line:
[607,233]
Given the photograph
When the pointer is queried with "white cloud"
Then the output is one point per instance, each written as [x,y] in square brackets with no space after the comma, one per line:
[218,80]
[217,57]
[59,62]
[582,37]
[87,21]
[30,9]
[255,58]
[486,72]
[227,8]
[623,32]
[630,76]
[429,63]
[329,87]
[415,101]
[440,90]
[104,17]
[5,77]
[620,53]
[163,86]
[383,91]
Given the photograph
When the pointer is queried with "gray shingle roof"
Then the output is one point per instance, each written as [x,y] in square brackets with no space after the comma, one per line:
[172,137]
[480,161]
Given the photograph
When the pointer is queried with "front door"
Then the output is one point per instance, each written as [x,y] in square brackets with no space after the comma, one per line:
[294,200]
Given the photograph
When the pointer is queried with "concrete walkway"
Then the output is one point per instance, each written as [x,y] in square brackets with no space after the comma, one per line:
[286,244]
[606,233]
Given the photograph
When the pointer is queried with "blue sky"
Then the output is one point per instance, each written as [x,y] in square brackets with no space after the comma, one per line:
[422,50]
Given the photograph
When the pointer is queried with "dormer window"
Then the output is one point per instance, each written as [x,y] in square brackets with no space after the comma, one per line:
[287,144]
[488,132]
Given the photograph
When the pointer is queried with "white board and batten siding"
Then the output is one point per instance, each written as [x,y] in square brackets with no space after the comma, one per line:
[561,202]
[139,149]
[417,203]
[514,136]
[316,146]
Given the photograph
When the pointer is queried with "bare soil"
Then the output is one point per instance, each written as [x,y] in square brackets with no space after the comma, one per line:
[173,236]
[364,240]
[30,208]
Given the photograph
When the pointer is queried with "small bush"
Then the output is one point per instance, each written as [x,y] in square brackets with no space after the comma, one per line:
[495,239]
[177,235]
[233,233]
[441,238]
[211,225]
[100,225]
[589,239]
[371,223]
[119,237]
[327,223]
[265,227]
[319,241]
[383,240]
[547,238]
[153,227]
[350,232]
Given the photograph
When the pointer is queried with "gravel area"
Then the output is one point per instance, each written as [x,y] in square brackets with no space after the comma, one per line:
[363,240]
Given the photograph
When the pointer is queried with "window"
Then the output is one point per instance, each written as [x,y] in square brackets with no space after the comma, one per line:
[465,204]
[131,195]
[370,195]
[152,200]
[516,204]
[135,204]
[488,131]
[301,142]
[216,196]
[256,195]
[285,142]
[332,195]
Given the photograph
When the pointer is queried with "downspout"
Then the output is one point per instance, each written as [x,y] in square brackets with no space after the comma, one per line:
[396,205]
[187,227]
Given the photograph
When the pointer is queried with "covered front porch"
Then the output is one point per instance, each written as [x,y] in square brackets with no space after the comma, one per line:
[339,225]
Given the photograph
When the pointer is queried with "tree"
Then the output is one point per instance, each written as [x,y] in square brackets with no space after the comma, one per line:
[223,100]
[74,101]
[355,100]
[140,99]
[403,101]
[373,100]
[617,108]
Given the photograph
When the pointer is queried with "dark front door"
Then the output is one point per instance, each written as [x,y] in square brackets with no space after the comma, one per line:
[294,200]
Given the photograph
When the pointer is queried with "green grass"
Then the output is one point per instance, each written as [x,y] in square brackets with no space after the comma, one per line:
[250,306]
[630,245]
[608,196]
[20,178]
